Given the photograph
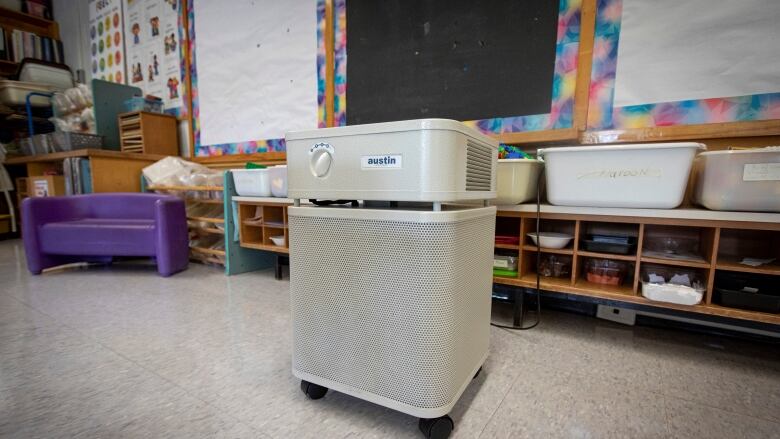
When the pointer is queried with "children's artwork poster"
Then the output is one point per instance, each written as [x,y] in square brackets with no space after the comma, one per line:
[153,48]
[106,40]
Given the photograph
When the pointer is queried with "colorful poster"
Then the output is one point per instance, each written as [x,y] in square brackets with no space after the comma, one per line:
[106,40]
[153,49]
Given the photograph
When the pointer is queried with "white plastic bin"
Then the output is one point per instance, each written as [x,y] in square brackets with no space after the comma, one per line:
[517,180]
[634,175]
[746,180]
[278,177]
[14,93]
[252,182]
[56,77]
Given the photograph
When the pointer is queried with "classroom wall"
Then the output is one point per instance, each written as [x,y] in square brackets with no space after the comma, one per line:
[73,19]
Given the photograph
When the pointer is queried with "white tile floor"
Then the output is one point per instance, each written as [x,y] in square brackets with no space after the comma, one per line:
[121,352]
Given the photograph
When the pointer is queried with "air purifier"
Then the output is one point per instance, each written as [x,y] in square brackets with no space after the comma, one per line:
[390,299]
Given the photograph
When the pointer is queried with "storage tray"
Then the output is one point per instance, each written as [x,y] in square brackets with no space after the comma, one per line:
[747,291]
[752,301]
[592,245]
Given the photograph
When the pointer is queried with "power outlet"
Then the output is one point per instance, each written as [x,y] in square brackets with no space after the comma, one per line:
[618,315]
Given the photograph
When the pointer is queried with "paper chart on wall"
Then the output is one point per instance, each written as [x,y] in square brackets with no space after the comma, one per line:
[671,50]
[106,40]
[257,69]
[153,62]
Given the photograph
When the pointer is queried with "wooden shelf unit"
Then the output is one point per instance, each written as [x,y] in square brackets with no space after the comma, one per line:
[195,223]
[148,133]
[11,19]
[29,23]
[721,244]
[271,221]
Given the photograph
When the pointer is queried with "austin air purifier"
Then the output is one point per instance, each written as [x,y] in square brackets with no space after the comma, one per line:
[391,263]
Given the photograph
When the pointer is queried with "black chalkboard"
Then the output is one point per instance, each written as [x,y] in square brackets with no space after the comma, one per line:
[456,59]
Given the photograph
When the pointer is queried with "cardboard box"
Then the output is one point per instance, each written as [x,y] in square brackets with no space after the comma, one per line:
[46,186]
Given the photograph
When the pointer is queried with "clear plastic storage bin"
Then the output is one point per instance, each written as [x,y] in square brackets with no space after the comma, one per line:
[605,271]
[745,180]
[672,284]
[502,262]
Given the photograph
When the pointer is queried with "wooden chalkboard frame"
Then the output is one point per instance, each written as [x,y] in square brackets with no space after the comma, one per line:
[692,119]
[568,98]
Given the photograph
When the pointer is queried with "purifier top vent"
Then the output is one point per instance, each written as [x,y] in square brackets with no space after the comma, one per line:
[428,160]
[479,166]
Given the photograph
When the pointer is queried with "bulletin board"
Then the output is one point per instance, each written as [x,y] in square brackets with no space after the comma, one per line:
[500,74]
[106,40]
[668,63]
[271,80]
[154,50]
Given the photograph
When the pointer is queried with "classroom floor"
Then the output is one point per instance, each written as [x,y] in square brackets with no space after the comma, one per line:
[120,352]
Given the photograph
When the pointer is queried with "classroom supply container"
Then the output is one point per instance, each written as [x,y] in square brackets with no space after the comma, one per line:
[634,175]
[56,76]
[505,262]
[605,271]
[747,180]
[747,291]
[14,93]
[278,180]
[551,239]
[140,103]
[672,284]
[252,182]
[616,244]
[68,141]
[517,180]
[551,265]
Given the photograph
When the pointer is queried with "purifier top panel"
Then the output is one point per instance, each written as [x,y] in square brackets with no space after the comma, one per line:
[430,160]
[392,127]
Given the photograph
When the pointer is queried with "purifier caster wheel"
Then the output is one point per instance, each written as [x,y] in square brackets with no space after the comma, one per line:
[479,371]
[313,391]
[437,428]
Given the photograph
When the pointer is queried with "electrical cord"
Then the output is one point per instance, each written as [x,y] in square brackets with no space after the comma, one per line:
[538,263]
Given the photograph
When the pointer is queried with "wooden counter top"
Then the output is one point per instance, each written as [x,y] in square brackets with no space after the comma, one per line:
[83,153]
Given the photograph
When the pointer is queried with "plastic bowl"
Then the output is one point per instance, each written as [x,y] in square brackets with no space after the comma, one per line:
[278,240]
[551,239]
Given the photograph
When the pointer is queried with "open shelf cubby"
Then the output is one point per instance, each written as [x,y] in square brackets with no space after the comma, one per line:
[259,221]
[677,246]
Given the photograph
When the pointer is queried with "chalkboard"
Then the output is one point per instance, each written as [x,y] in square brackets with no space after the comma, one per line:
[456,59]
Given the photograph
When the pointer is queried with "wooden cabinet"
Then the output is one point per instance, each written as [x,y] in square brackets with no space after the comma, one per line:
[716,242]
[148,133]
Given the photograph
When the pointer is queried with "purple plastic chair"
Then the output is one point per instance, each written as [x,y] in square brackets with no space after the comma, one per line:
[96,227]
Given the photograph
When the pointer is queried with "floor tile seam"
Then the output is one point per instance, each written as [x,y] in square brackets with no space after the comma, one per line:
[773,421]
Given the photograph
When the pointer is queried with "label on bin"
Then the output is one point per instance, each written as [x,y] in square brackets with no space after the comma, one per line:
[761,172]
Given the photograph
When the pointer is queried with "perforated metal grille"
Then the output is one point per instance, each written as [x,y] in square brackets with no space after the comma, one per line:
[479,166]
[397,309]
